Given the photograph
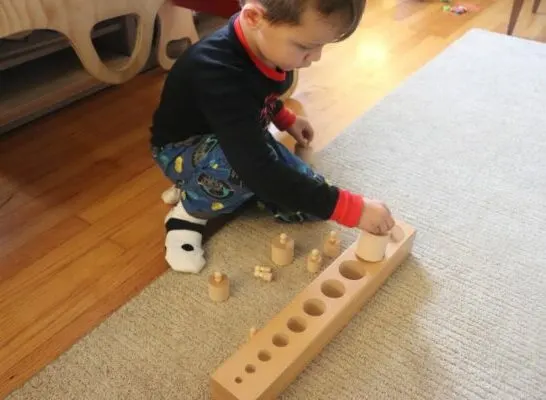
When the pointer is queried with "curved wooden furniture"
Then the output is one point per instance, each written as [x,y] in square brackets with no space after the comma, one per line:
[76,19]
[175,23]
[221,8]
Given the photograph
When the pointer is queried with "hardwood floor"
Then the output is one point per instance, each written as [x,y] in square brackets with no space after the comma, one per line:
[80,211]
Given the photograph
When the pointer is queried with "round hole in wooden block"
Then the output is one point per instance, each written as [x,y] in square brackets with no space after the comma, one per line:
[332,288]
[238,379]
[250,369]
[314,307]
[280,340]
[296,324]
[264,355]
[352,270]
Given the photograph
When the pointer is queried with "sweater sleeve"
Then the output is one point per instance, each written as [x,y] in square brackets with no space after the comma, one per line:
[284,118]
[234,116]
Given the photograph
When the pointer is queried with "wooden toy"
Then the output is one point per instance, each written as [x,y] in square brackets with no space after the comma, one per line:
[252,332]
[266,276]
[218,287]
[282,250]
[332,245]
[307,154]
[259,268]
[314,261]
[76,20]
[397,234]
[265,365]
[372,247]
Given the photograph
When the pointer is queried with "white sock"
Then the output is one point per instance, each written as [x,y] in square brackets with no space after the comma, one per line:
[171,195]
[183,241]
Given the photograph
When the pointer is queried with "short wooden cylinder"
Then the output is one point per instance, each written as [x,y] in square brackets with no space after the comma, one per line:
[282,254]
[332,248]
[218,290]
[371,247]
[314,262]
[305,153]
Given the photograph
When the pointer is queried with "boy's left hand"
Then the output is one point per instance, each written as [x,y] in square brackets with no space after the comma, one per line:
[302,131]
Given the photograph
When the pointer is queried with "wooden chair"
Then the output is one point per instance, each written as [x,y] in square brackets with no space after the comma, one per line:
[516,9]
[76,19]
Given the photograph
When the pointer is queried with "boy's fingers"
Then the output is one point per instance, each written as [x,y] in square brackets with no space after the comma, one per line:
[391,222]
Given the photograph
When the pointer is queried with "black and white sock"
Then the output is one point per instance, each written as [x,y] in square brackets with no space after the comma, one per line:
[183,241]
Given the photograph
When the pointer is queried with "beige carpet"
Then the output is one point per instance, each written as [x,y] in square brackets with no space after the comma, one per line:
[458,151]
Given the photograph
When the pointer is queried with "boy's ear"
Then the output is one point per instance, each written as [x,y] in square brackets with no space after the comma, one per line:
[254,14]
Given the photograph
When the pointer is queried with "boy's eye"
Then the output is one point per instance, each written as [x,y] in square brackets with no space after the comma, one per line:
[304,47]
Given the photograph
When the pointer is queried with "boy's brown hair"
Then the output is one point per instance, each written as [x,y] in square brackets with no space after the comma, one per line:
[290,11]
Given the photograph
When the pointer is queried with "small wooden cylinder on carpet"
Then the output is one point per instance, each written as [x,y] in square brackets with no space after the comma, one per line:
[218,287]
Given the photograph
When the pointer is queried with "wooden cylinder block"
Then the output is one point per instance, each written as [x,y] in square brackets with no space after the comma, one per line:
[371,247]
[218,287]
[314,261]
[305,153]
[332,245]
[262,368]
[282,250]
[397,234]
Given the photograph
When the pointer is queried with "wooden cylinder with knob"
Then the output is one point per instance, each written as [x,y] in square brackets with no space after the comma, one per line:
[218,287]
[314,261]
[332,245]
[282,250]
[306,153]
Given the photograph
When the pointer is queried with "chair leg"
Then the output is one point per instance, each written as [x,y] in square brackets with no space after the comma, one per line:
[516,8]
[536,4]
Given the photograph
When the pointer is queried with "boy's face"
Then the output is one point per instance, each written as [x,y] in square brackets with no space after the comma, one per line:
[292,47]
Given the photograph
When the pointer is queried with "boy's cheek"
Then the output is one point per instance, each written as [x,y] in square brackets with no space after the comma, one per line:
[290,59]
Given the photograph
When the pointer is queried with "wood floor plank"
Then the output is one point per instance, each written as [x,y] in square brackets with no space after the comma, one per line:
[118,281]
[70,250]
[80,210]
[69,197]
[147,181]
[31,251]
[141,228]
[49,174]
[28,320]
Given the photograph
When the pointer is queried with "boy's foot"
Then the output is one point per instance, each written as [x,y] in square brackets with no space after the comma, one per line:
[171,195]
[183,241]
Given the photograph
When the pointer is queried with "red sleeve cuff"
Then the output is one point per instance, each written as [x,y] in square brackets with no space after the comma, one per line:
[348,209]
[284,119]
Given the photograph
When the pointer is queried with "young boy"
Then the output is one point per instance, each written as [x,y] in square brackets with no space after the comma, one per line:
[210,132]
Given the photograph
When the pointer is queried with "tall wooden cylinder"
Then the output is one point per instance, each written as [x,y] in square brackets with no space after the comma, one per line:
[371,247]
[218,287]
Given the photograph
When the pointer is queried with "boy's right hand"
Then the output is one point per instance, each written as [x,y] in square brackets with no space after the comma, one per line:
[376,218]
